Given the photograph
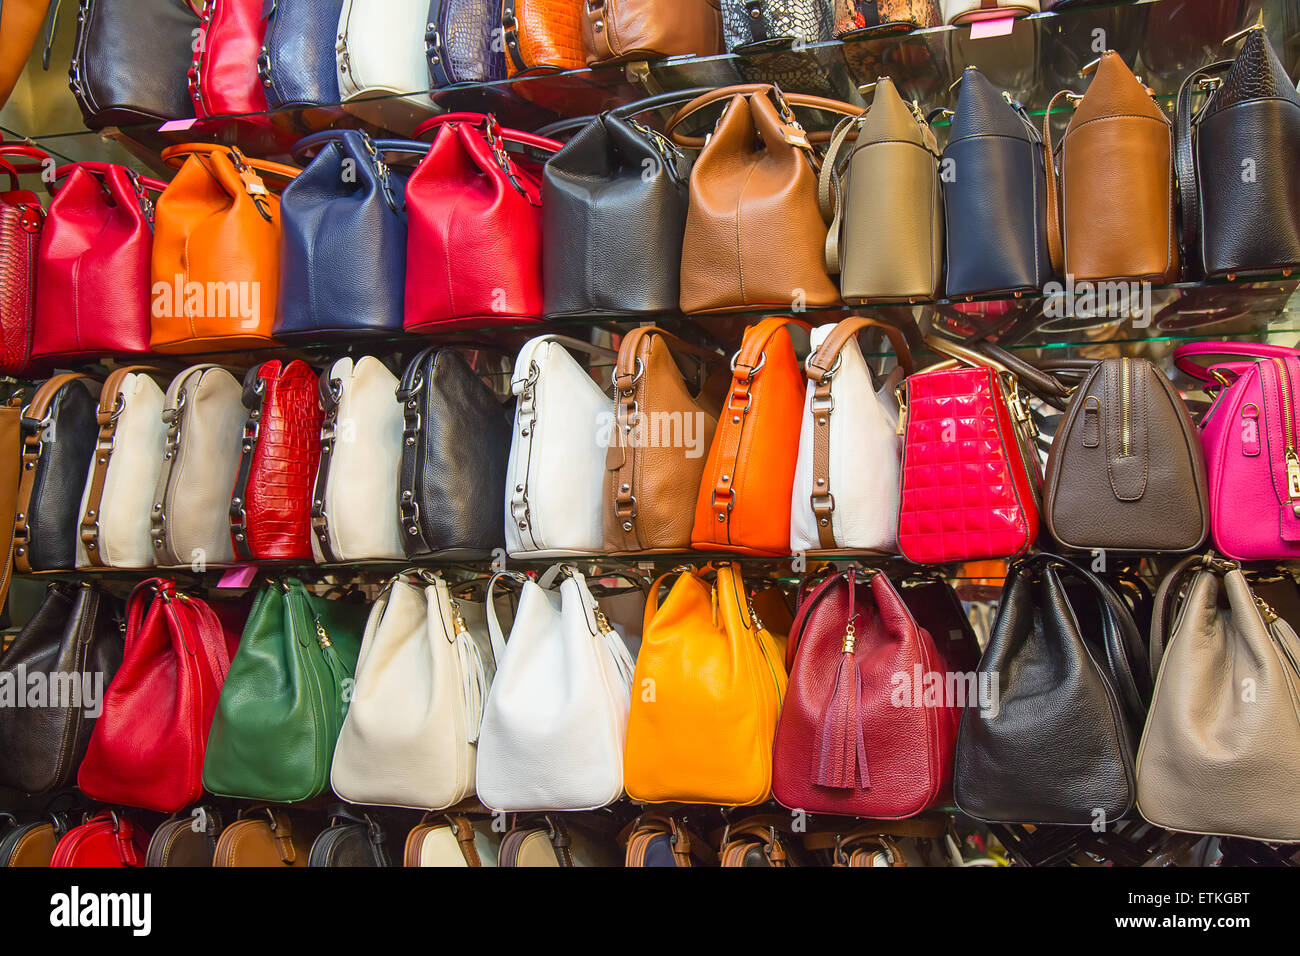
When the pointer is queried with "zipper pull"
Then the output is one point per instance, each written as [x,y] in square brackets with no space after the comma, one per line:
[1292,475]
[900,395]
[332,659]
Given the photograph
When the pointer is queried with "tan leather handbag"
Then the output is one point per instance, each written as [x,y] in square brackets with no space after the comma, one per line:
[1112,214]
[268,838]
[451,840]
[754,236]
[618,30]
[20,25]
[659,435]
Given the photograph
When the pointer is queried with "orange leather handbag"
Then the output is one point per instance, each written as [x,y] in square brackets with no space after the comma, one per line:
[216,251]
[744,499]
[706,695]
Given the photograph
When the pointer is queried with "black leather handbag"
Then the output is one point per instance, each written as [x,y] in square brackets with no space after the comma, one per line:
[455,447]
[298,62]
[1236,166]
[113,83]
[1056,744]
[994,195]
[614,204]
[757,25]
[462,42]
[351,839]
[343,238]
[68,654]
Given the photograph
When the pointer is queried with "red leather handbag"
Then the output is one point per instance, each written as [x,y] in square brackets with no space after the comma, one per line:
[21,220]
[147,747]
[92,273]
[270,512]
[851,740]
[106,839]
[474,227]
[223,78]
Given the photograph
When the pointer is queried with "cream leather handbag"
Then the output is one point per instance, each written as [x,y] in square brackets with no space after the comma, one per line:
[190,518]
[354,507]
[380,47]
[846,481]
[410,734]
[1221,750]
[557,461]
[453,841]
[114,527]
[552,734]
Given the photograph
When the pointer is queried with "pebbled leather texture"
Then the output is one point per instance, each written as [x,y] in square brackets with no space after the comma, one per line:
[619,30]
[223,77]
[67,445]
[20,235]
[74,631]
[297,64]
[547,34]
[107,839]
[461,42]
[749,22]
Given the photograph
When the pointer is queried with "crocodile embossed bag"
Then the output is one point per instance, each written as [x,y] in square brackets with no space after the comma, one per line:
[542,35]
[753,25]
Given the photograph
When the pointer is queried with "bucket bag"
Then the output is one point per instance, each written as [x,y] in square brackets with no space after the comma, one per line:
[19,31]
[751,26]
[380,48]
[542,35]
[297,63]
[22,219]
[223,77]
[463,42]
[614,31]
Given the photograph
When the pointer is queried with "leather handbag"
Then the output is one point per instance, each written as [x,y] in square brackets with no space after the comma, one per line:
[749,474]
[885,235]
[556,471]
[754,238]
[30,845]
[347,199]
[73,645]
[189,522]
[187,840]
[542,35]
[353,512]
[710,681]
[411,733]
[113,85]
[106,839]
[455,450]
[58,441]
[474,248]
[614,31]
[659,840]
[553,726]
[297,63]
[760,841]
[271,508]
[216,251]
[1126,471]
[92,272]
[1056,745]
[270,837]
[147,747]
[995,206]
[614,205]
[114,527]
[959,12]
[750,26]
[849,450]
[11,467]
[380,47]
[527,844]
[285,697]
[452,840]
[661,428]
[872,17]
[462,42]
[223,76]
[1110,215]
[20,26]
[22,219]
[351,839]
[1250,445]
[1233,223]
[848,742]
[1219,753]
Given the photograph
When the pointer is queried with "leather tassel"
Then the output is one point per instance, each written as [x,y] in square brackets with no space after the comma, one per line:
[843,752]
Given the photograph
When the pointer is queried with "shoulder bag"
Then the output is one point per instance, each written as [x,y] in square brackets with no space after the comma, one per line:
[655,839]
[31,845]
[185,840]
[22,219]
[614,31]
[542,35]
[223,77]
[267,837]
[107,839]
[297,63]
[380,47]
[452,840]
[464,42]
[352,839]
[960,12]
[752,26]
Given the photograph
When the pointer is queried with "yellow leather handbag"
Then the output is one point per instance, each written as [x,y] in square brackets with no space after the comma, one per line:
[705,696]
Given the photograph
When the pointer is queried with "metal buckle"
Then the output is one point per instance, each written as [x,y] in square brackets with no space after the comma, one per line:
[638,370]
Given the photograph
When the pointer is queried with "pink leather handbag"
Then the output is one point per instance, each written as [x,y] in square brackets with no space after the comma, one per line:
[1252,451]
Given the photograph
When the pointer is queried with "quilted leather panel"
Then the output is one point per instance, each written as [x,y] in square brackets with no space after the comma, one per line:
[20,231]
[550,34]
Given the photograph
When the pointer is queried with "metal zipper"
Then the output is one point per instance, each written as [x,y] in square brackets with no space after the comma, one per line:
[1288,428]
[1125,432]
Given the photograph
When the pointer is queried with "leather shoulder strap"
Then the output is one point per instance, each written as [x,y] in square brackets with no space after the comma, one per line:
[1166,601]
[1055,249]
[254,396]
[1189,198]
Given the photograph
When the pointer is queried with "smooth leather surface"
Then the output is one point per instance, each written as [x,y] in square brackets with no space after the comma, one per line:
[10,476]
[542,34]
[176,842]
[20,25]
[67,443]
[749,22]
[972,11]
[380,47]
[616,30]
[350,844]
[106,840]
[297,64]
[223,77]
[270,839]
[21,221]
[31,845]
[462,42]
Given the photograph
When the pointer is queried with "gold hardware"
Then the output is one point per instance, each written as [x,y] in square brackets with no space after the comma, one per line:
[753,616]
[1091,65]
[1242,34]
[1267,612]
[602,622]
[322,638]
[850,639]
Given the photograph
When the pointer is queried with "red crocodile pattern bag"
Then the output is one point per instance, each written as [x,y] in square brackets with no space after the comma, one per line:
[271,509]
[844,744]
[106,839]
[92,273]
[147,747]
[223,78]
[21,221]
[967,493]
[474,228]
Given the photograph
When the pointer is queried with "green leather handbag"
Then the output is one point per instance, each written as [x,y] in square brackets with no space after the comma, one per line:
[285,697]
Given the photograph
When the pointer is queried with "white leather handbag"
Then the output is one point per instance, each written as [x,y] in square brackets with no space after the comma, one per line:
[380,47]
[557,461]
[114,527]
[968,11]
[204,417]
[354,506]
[552,733]
[846,481]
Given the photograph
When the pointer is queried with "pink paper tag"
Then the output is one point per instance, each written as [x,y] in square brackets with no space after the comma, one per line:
[991,28]
[240,576]
[176,126]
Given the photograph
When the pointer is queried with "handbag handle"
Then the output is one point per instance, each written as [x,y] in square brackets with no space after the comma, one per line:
[1185,355]
[1162,615]
[628,368]
[982,353]
[8,150]
[785,103]
[821,364]
[1055,247]
[487,122]
[101,171]
[309,146]
[175,156]
[572,124]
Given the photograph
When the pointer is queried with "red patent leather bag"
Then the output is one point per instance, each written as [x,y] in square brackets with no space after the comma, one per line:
[148,744]
[22,219]
[92,273]
[223,77]
[106,839]
[474,226]
[858,734]
[270,511]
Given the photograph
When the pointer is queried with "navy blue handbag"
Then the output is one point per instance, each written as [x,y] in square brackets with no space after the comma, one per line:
[460,42]
[343,246]
[297,63]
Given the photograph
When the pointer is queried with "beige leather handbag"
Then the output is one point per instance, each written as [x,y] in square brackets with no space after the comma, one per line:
[1221,749]
[453,840]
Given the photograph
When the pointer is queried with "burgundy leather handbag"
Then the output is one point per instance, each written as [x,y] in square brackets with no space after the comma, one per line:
[92,273]
[851,739]
[474,226]
[270,512]
[21,220]
[106,839]
[223,77]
